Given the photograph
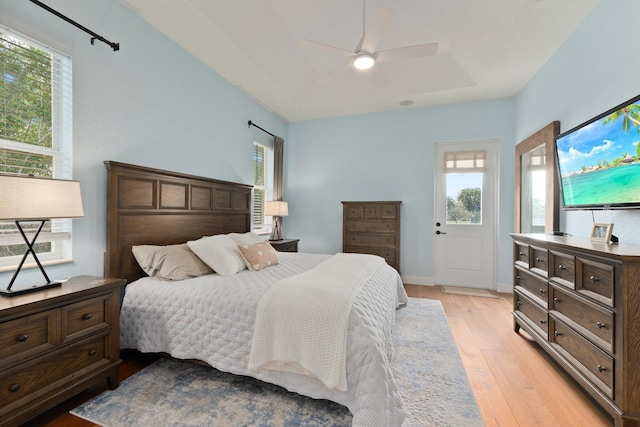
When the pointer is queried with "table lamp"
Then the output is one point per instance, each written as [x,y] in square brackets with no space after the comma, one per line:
[36,200]
[277,209]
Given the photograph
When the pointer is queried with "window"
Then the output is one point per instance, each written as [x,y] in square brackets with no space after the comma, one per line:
[262,186]
[35,134]
[464,176]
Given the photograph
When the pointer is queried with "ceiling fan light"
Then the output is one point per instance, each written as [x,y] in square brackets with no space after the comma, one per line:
[363,62]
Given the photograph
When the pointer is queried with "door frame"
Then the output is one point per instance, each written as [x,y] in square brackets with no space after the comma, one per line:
[492,146]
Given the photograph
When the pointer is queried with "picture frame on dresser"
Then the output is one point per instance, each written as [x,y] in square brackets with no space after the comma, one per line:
[601,232]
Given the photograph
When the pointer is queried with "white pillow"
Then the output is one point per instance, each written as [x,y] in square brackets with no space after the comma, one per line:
[248,239]
[220,253]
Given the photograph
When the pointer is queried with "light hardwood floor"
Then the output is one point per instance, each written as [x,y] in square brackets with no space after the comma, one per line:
[514,382]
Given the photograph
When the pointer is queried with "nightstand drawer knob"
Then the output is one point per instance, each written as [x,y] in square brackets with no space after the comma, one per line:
[14,388]
[23,337]
[87,316]
[93,352]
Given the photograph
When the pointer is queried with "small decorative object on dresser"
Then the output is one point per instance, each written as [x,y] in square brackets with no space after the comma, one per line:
[285,245]
[372,228]
[579,300]
[55,344]
[601,232]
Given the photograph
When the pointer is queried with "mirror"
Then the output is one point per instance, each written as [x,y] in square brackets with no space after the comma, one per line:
[537,191]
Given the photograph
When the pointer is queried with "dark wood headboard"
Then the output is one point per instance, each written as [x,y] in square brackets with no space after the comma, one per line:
[148,206]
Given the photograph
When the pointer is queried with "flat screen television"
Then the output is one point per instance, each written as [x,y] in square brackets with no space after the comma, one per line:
[599,160]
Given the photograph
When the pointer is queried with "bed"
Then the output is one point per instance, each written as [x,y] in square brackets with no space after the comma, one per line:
[211,318]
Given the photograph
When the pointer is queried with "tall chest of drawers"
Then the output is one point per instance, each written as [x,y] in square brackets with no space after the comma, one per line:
[56,343]
[372,228]
[580,300]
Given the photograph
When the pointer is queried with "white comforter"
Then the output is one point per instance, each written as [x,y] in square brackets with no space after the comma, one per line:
[211,318]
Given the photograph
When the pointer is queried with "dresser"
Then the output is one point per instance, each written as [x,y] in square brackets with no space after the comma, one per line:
[372,228]
[580,300]
[56,343]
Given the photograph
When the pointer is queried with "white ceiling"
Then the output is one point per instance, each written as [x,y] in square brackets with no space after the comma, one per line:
[487,49]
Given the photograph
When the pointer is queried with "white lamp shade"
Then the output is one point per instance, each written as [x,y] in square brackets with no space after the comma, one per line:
[29,198]
[276,208]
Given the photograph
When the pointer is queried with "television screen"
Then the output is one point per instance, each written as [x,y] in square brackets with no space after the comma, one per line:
[599,160]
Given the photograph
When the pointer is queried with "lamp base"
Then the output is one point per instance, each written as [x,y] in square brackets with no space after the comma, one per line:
[32,288]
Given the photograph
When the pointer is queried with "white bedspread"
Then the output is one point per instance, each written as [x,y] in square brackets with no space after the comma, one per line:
[303,320]
[211,318]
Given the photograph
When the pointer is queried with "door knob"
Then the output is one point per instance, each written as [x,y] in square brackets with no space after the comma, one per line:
[440,232]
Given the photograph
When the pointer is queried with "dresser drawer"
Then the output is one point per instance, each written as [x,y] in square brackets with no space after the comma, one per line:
[596,278]
[537,316]
[540,261]
[19,383]
[84,317]
[26,336]
[521,254]
[353,211]
[536,286]
[585,356]
[382,226]
[371,239]
[595,322]
[562,269]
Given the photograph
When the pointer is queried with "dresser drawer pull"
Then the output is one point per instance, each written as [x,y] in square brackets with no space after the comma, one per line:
[518,277]
[593,279]
[87,316]
[23,337]
[538,259]
[562,267]
[93,352]
[522,253]
[556,300]
[14,388]
[600,325]
[557,334]
[542,322]
[542,291]
[601,368]
[518,303]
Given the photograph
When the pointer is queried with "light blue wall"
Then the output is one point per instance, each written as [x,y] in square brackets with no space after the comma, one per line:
[151,103]
[390,156]
[597,68]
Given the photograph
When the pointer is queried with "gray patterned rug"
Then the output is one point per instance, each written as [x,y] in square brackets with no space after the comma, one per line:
[171,392]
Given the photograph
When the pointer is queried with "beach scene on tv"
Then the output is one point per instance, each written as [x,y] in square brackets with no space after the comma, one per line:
[600,162]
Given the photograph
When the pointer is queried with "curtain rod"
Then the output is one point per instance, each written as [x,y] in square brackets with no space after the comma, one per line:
[114,46]
[255,125]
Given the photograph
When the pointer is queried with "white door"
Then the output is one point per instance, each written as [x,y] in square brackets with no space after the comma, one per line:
[465,213]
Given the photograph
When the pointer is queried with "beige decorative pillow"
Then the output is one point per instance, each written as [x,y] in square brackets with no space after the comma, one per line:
[259,255]
[172,262]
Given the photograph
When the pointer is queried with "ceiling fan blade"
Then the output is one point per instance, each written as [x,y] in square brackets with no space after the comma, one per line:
[375,30]
[333,74]
[326,48]
[409,52]
[378,76]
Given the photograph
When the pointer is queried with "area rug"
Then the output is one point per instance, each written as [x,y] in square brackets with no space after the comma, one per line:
[170,392]
[473,292]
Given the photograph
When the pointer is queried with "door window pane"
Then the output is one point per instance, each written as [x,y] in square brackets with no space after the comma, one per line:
[464,198]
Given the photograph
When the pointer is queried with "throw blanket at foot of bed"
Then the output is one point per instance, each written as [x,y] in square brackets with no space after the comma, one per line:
[302,321]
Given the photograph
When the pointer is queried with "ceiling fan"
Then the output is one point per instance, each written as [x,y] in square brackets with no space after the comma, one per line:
[366,57]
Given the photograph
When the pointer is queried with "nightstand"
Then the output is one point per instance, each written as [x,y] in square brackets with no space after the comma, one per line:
[57,343]
[285,245]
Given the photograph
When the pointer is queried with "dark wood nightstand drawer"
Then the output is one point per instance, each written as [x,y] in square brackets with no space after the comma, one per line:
[18,383]
[84,317]
[26,336]
[285,245]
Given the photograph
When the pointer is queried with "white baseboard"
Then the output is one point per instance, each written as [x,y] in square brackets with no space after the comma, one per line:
[506,288]
[418,280]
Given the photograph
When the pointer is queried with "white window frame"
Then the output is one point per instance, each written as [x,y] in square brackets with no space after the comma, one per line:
[265,226]
[60,153]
